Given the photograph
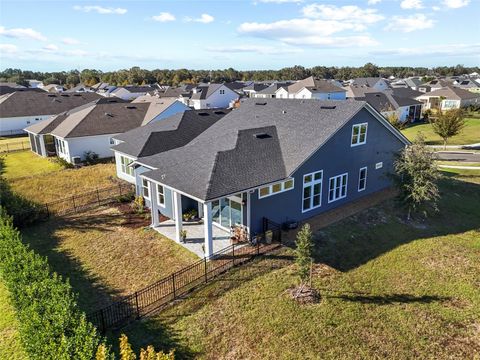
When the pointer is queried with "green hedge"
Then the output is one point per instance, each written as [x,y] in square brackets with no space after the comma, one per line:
[51,325]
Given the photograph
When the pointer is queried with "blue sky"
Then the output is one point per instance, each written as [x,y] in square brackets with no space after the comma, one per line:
[258,34]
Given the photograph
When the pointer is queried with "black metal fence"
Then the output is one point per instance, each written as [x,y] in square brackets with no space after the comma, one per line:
[272,230]
[155,296]
[88,200]
[6,147]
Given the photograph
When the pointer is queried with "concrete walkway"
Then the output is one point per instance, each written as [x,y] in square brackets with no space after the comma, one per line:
[460,167]
[467,146]
[458,156]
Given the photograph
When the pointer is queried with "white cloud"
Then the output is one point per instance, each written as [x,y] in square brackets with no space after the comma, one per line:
[411,4]
[8,48]
[22,33]
[70,41]
[349,13]
[257,49]
[455,4]
[373,2]
[432,50]
[204,18]
[100,9]
[50,47]
[164,17]
[410,23]
[280,1]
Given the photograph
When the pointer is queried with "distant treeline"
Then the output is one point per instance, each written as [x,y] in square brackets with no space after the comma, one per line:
[138,76]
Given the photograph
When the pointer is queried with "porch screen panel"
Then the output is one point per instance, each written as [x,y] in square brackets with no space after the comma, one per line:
[32,142]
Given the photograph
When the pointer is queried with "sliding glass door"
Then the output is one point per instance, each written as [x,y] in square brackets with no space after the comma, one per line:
[227,212]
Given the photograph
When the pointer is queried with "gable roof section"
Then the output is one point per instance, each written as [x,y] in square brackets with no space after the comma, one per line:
[31,103]
[314,85]
[203,167]
[385,101]
[366,81]
[452,93]
[170,133]
[204,92]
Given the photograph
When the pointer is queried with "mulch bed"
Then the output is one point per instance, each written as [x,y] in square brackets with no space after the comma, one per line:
[131,218]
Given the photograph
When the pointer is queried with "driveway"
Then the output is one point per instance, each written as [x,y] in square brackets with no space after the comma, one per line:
[458,156]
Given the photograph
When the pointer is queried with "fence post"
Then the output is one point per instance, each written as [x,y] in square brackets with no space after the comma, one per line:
[205,265]
[258,247]
[120,189]
[136,304]
[23,145]
[74,206]
[7,146]
[102,316]
[173,283]
[233,253]
[98,197]
[48,211]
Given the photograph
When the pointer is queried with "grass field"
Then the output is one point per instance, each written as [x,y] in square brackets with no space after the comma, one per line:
[106,254]
[10,346]
[26,163]
[469,135]
[14,143]
[390,289]
[53,186]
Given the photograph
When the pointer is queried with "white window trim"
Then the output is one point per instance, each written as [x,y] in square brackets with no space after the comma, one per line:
[122,165]
[282,183]
[147,186]
[379,165]
[158,195]
[346,187]
[359,178]
[359,132]
[312,183]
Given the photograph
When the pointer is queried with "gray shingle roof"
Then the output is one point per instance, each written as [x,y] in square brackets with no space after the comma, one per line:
[170,133]
[220,160]
[385,101]
[31,103]
[314,85]
[453,93]
[204,92]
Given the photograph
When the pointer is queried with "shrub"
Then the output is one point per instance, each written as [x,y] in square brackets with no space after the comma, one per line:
[303,252]
[91,157]
[63,163]
[138,204]
[51,325]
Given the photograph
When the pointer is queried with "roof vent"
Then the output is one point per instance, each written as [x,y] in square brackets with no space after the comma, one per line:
[377,95]
[112,101]
[131,107]
[77,94]
[284,111]
[64,95]
[330,107]
[51,95]
[260,103]
[109,114]
[218,112]
[203,114]
[262,136]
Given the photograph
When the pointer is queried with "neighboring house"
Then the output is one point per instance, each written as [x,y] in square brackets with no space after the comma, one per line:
[254,88]
[449,98]
[386,103]
[34,83]
[355,91]
[80,88]
[210,96]
[280,159]
[92,126]
[312,88]
[131,92]
[52,88]
[470,85]
[433,85]
[26,107]
[411,82]
[376,83]
[278,89]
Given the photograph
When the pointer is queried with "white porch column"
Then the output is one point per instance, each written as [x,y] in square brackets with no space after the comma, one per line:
[177,208]
[207,225]
[152,187]
[249,216]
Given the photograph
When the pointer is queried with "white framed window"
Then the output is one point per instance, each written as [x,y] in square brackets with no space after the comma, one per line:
[378,165]
[160,195]
[362,179]
[337,188]
[112,141]
[312,191]
[145,189]
[359,134]
[276,188]
[124,162]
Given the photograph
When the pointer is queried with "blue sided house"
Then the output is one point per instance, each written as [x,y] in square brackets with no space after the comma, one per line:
[281,159]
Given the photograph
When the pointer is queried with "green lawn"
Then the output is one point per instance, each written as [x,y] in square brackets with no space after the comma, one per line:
[26,163]
[469,135]
[10,346]
[390,289]
[14,143]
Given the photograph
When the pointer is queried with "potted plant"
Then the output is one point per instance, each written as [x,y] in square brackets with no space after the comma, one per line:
[183,235]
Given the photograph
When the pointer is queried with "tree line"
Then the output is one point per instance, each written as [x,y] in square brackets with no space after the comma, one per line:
[139,76]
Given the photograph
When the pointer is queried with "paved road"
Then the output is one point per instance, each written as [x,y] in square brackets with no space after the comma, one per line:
[458,156]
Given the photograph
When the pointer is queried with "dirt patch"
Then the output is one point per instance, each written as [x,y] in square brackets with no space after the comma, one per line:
[323,271]
[131,219]
[304,295]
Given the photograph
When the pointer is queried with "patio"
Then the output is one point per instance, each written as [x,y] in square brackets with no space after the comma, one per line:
[196,236]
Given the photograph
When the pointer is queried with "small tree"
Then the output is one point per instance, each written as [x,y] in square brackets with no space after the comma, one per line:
[448,124]
[416,178]
[394,120]
[303,253]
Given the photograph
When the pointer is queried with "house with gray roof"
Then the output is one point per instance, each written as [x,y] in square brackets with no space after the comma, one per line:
[272,91]
[449,97]
[313,88]
[26,107]
[280,159]
[390,102]
[376,83]
[210,96]
[91,127]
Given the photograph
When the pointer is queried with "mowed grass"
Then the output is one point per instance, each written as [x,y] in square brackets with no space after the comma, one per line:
[10,345]
[26,163]
[105,255]
[14,143]
[53,186]
[469,135]
[390,289]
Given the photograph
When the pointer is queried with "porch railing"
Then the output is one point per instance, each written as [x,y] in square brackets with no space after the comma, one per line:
[273,229]
[157,295]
